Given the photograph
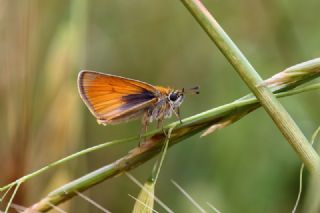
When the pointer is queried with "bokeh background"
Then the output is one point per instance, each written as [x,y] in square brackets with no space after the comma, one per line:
[247,167]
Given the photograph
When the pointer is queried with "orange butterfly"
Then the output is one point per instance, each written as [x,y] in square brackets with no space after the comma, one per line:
[114,99]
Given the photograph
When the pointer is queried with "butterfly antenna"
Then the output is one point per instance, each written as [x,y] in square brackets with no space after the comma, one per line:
[193,90]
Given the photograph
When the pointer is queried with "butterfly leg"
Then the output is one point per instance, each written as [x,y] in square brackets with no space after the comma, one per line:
[177,113]
[160,124]
[144,129]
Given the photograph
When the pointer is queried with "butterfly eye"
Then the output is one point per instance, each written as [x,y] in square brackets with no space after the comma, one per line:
[173,97]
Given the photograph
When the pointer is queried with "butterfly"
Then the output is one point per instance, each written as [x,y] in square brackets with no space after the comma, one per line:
[113,99]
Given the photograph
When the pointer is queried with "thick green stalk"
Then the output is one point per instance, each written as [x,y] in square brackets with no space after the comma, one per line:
[279,115]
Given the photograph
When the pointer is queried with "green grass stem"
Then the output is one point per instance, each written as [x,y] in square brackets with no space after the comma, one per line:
[249,75]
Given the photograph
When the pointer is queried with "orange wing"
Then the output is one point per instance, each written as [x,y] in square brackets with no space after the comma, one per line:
[112,98]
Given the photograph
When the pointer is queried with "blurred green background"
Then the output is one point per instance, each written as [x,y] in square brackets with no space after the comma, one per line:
[247,167]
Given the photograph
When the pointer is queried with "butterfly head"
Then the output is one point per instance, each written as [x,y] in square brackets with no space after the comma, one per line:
[176,96]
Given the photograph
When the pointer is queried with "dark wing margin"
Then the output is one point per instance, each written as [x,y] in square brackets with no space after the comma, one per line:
[135,99]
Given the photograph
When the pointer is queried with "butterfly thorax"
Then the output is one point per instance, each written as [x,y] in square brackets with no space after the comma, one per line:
[168,102]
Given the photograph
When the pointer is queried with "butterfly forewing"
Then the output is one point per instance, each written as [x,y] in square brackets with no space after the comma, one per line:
[111,98]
